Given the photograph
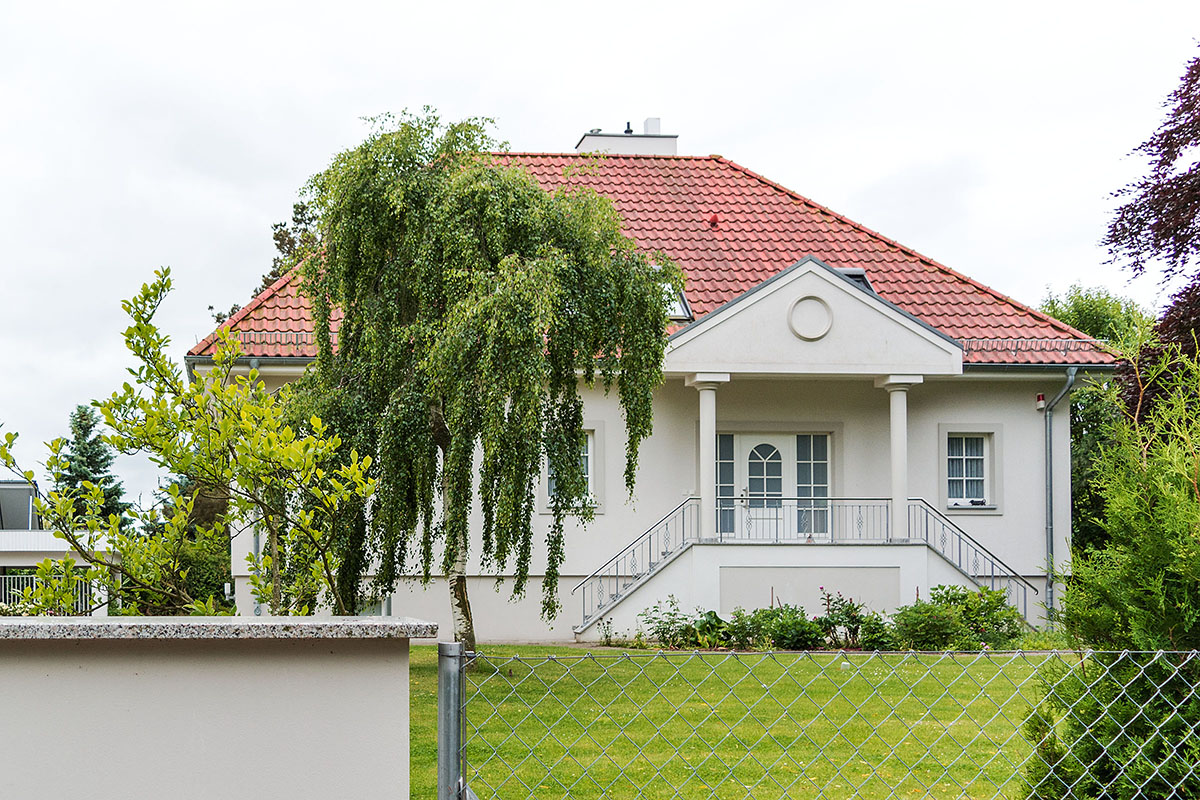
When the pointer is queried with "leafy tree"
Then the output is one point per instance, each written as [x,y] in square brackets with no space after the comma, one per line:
[1176,331]
[224,430]
[1122,725]
[88,459]
[1101,315]
[219,317]
[475,305]
[1160,220]
[1126,718]
[206,560]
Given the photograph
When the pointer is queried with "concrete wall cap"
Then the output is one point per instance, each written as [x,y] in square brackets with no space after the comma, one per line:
[215,628]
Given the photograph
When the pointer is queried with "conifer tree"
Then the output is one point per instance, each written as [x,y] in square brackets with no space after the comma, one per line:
[89,458]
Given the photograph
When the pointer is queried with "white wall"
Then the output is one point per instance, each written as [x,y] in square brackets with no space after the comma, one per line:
[203,718]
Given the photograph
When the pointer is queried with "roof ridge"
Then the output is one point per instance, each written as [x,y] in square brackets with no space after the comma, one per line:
[603,155]
[241,313]
[908,250]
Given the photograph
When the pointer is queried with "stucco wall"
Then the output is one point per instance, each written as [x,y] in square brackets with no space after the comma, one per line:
[204,718]
[854,410]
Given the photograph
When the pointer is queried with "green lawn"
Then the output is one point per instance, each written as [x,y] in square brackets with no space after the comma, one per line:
[585,724]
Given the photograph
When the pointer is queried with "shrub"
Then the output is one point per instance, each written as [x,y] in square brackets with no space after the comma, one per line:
[987,618]
[1127,729]
[710,631]
[877,633]
[743,630]
[959,618]
[667,625]
[605,627]
[208,570]
[787,628]
[842,620]
[1115,726]
[927,626]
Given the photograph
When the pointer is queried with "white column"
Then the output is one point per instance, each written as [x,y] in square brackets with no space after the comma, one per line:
[898,405]
[897,388]
[706,383]
[708,459]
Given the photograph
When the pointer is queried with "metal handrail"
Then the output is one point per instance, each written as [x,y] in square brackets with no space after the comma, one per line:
[950,524]
[821,517]
[636,541]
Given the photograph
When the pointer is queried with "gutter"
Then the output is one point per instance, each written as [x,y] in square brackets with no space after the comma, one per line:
[1071,372]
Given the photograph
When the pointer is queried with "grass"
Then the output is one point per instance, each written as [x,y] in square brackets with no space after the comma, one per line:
[564,722]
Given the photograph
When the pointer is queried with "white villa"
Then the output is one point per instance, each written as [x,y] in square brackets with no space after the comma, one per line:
[839,411]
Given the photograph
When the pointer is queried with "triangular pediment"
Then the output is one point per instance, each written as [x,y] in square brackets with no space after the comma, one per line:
[812,320]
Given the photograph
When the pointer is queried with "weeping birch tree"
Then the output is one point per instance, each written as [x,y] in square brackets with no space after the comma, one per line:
[472,306]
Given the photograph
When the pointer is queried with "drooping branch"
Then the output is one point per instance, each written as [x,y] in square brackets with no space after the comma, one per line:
[475,306]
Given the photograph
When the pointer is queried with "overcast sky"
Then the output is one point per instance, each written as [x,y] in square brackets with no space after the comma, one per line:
[988,136]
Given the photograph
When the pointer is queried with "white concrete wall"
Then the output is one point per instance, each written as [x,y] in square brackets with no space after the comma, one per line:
[204,719]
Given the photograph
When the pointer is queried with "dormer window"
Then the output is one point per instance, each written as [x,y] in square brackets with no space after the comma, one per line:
[857,275]
[678,308]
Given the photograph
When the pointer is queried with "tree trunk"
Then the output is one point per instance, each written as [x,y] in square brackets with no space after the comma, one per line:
[456,578]
[276,593]
[460,604]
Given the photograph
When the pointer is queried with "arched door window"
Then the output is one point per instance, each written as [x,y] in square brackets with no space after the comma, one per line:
[765,477]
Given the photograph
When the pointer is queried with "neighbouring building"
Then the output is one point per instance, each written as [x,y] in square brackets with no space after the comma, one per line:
[24,544]
[839,411]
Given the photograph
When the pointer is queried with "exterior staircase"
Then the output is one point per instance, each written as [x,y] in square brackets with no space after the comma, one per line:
[794,521]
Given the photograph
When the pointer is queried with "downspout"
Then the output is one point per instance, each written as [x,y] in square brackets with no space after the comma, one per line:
[1071,371]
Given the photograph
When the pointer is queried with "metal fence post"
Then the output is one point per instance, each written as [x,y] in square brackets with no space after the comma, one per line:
[449,732]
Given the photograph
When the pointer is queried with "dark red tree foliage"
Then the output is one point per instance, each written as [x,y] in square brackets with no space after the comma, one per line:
[1179,327]
[1160,220]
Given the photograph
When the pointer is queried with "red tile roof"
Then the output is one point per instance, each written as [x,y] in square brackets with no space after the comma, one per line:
[729,229]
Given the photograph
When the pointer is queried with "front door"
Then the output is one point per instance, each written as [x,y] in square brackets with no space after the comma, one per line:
[774,487]
[768,466]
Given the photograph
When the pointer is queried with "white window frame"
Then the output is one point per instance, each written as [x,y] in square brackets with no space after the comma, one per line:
[993,462]
[594,464]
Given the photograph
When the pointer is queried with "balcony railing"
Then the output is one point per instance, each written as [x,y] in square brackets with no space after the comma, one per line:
[12,591]
[802,519]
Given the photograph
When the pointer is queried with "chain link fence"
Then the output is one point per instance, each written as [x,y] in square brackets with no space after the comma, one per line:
[816,725]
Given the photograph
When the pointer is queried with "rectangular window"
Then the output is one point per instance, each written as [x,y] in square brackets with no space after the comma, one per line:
[585,461]
[966,470]
[812,483]
[725,462]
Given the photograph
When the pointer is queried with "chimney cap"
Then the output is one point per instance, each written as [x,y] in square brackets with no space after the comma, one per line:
[652,142]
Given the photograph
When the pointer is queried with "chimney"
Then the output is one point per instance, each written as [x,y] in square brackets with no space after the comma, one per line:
[649,143]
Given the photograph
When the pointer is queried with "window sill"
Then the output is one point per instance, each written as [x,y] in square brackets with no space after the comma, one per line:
[597,509]
[987,509]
